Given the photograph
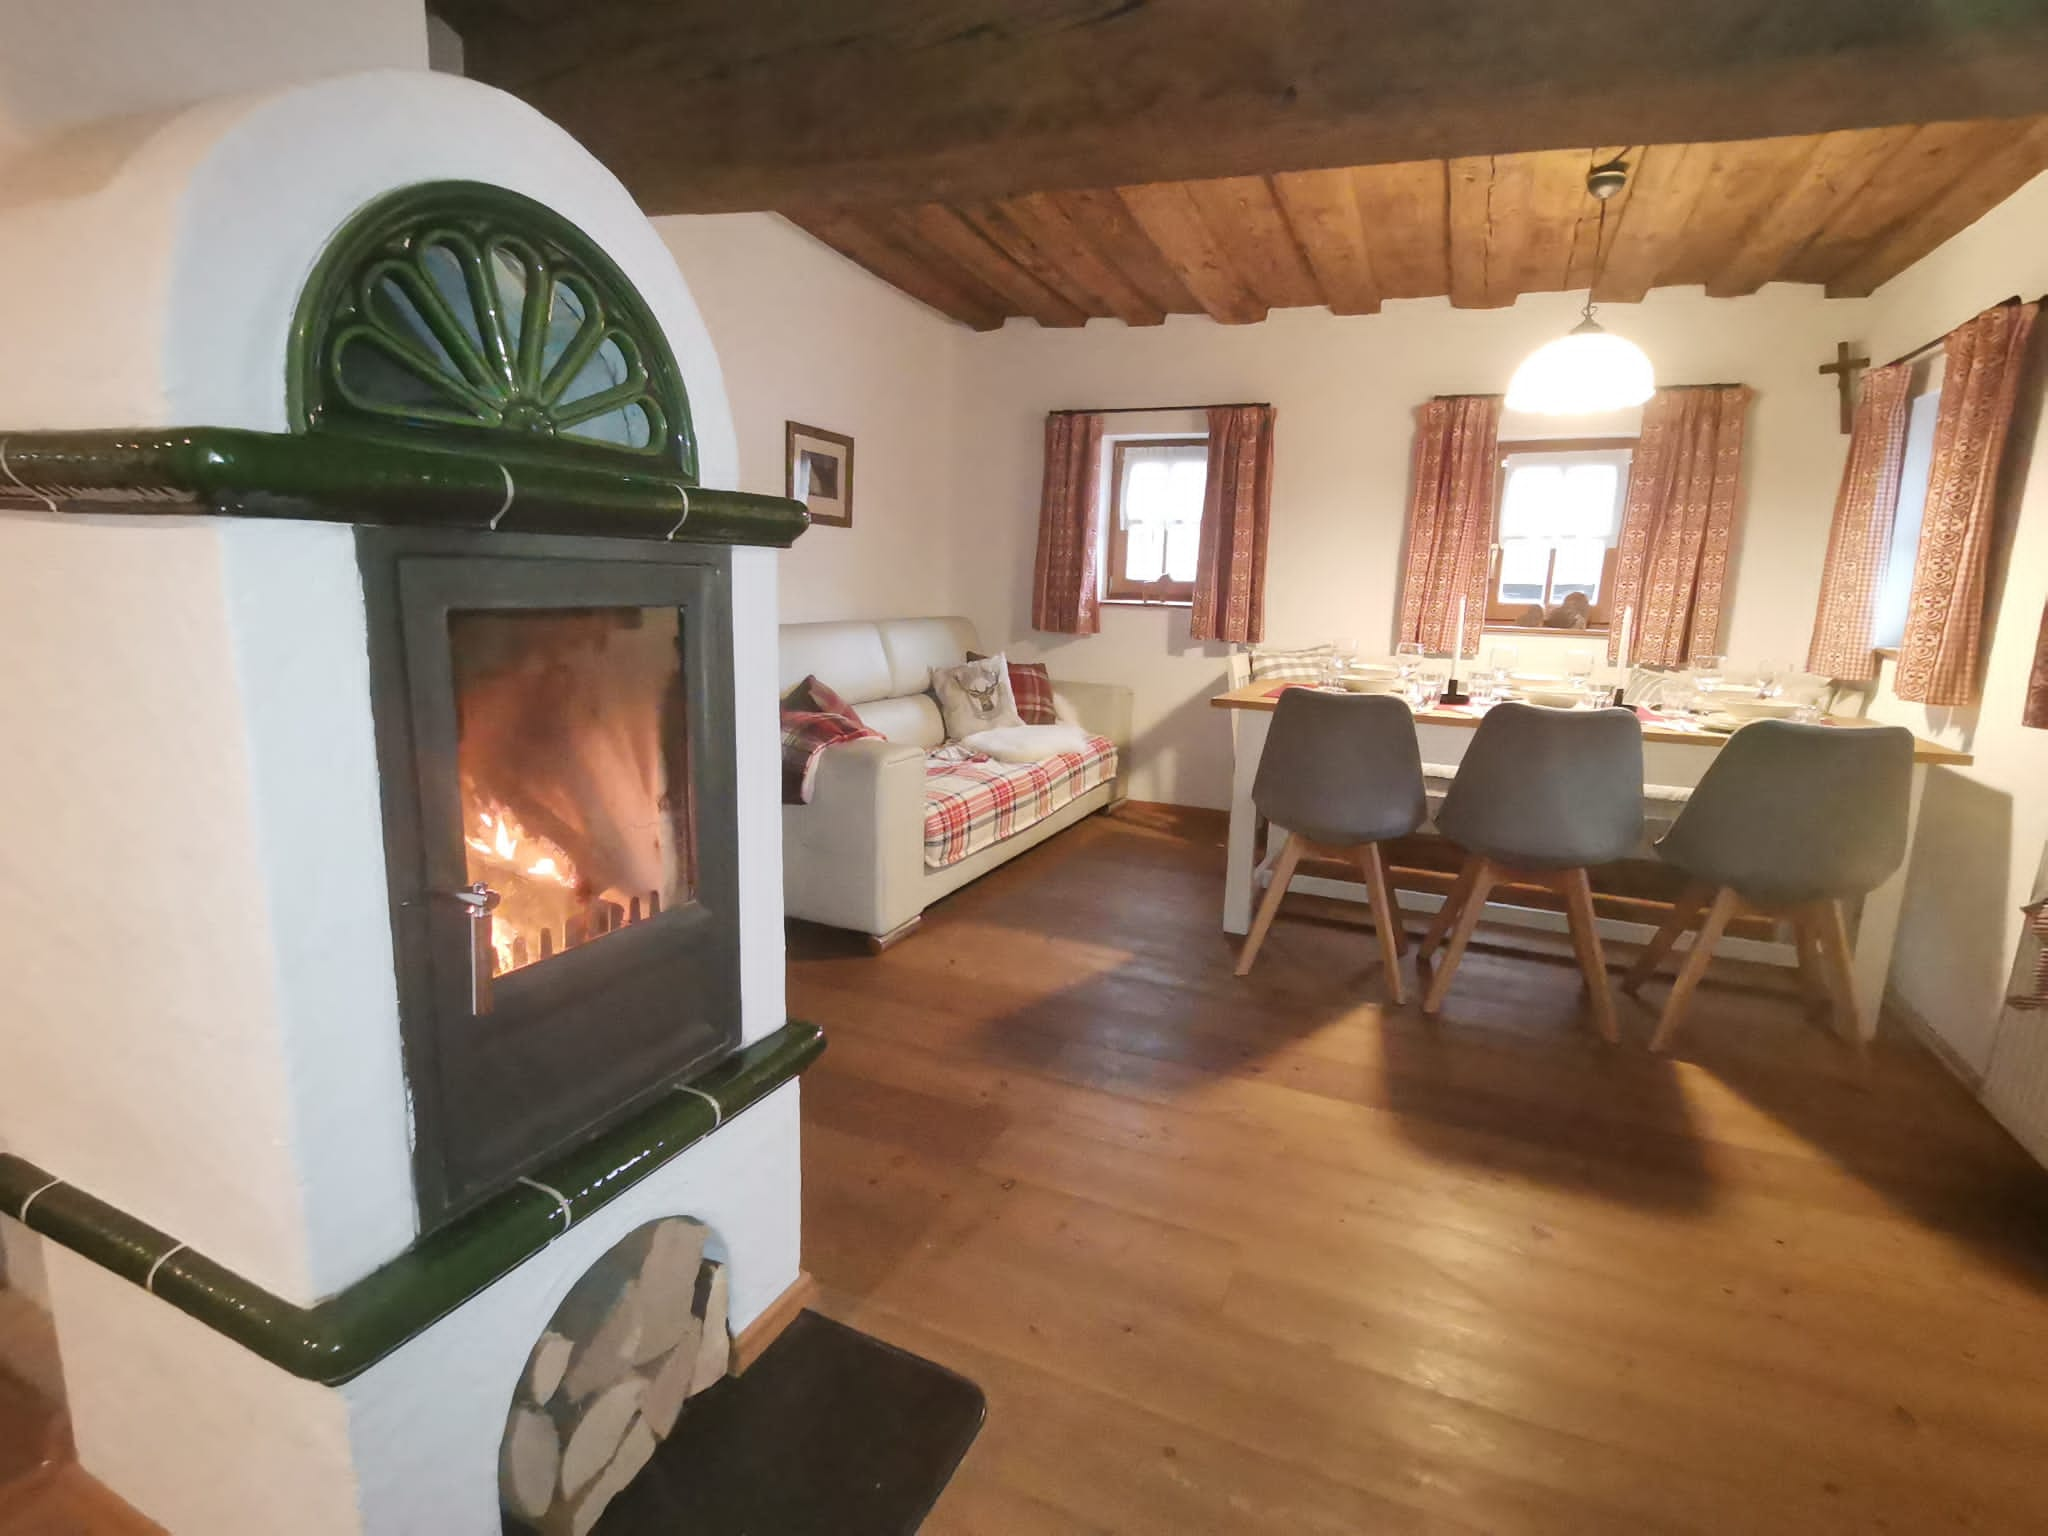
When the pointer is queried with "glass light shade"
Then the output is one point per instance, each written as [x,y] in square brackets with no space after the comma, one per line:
[1583,373]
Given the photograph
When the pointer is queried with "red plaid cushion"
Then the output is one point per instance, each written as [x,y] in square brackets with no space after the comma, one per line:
[816,697]
[813,718]
[1032,687]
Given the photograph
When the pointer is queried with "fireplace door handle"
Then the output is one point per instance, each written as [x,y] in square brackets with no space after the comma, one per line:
[480,901]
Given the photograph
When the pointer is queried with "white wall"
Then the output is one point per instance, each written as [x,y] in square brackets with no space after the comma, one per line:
[805,335]
[1982,827]
[67,62]
[1346,390]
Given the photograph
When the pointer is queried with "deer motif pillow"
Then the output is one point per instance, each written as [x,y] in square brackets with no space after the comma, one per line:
[976,696]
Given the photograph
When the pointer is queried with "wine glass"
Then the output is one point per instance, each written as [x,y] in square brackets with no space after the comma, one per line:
[1424,687]
[1337,661]
[1407,657]
[1707,672]
[1502,659]
[1578,668]
[1770,678]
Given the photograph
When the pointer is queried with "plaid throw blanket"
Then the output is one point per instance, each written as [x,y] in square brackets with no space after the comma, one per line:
[972,802]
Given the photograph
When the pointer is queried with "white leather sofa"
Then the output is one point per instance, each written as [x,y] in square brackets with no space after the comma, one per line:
[854,856]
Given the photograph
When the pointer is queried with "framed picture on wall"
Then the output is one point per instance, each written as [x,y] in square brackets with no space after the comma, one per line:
[820,472]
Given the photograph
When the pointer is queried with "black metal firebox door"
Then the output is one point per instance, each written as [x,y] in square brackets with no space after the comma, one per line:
[555,743]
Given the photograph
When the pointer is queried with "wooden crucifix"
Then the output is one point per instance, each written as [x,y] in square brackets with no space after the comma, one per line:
[1845,369]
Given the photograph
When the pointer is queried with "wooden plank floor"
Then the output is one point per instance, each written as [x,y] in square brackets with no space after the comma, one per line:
[1257,1256]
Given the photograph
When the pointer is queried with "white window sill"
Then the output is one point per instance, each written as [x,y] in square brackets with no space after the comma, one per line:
[1148,602]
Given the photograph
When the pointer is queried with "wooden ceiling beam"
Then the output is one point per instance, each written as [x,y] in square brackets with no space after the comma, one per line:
[1471,182]
[1593,234]
[1836,168]
[1743,182]
[1664,186]
[1322,210]
[1041,219]
[1406,212]
[1101,217]
[1167,213]
[1245,221]
[1924,168]
[705,106]
[1557,202]
[1975,192]
[967,244]
[997,224]
[861,242]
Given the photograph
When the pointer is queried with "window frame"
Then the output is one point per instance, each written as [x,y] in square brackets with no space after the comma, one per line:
[1501,615]
[1116,587]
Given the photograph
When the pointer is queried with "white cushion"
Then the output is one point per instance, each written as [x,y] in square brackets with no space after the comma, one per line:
[976,696]
[1027,743]
[916,646]
[911,719]
[848,658]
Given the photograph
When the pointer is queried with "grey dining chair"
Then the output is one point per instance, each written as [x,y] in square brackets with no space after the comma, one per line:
[1340,774]
[1789,821]
[1541,796]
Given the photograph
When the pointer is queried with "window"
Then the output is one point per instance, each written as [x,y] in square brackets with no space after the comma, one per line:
[1155,518]
[1896,588]
[1559,519]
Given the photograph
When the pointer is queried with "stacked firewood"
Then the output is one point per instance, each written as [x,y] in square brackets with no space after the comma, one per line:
[639,1335]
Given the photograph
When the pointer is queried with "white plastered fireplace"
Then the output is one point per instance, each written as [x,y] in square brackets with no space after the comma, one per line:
[198,1017]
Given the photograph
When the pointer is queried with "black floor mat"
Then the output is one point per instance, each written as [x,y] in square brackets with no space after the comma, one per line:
[830,1431]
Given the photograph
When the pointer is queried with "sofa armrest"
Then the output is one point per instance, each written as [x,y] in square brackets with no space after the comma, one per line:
[854,856]
[1104,709]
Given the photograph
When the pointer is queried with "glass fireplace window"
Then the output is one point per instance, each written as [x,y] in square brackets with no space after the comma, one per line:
[572,757]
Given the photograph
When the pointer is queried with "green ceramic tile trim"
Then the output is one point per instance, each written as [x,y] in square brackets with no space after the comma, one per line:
[347,1333]
[339,478]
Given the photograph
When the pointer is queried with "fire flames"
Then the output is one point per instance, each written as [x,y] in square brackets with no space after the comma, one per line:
[537,886]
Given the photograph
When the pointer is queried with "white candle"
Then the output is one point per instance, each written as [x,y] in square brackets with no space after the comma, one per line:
[1458,638]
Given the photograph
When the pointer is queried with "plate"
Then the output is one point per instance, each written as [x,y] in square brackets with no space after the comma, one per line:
[1748,708]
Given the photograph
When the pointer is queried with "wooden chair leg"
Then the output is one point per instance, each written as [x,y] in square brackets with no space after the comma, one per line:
[1386,917]
[1469,909]
[1831,938]
[1684,913]
[1283,876]
[1718,913]
[1813,970]
[1578,906]
[1447,914]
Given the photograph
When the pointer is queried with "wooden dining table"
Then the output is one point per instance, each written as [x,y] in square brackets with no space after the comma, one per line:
[1675,756]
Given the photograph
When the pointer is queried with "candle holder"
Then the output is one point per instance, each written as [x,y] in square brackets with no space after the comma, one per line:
[1454,693]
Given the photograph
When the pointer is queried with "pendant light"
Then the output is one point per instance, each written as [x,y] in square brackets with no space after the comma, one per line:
[1590,369]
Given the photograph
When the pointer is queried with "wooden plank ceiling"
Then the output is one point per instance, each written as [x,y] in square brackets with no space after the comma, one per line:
[1847,209]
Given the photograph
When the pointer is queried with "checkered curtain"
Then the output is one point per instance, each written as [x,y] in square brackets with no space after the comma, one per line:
[1984,359]
[1237,510]
[1064,597]
[2037,682]
[1861,538]
[1450,519]
[1683,490]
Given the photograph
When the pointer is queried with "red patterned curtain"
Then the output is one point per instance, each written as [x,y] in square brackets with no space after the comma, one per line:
[1683,489]
[1861,538]
[1940,657]
[1450,519]
[1237,510]
[1064,594]
[2037,682]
